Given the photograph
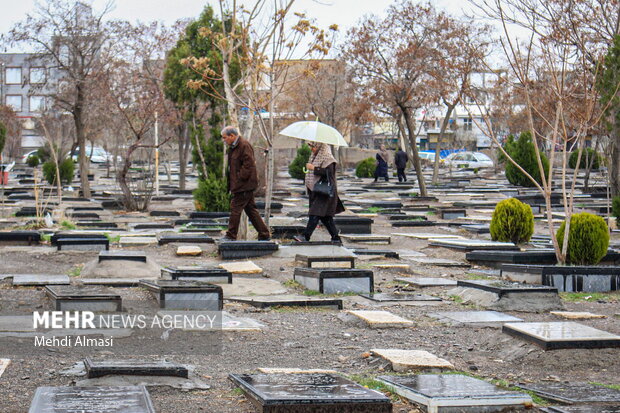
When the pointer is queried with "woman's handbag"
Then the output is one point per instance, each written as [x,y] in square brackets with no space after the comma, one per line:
[324,187]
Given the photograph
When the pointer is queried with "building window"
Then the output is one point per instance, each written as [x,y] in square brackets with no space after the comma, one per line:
[15,102]
[37,75]
[13,75]
[467,124]
[37,103]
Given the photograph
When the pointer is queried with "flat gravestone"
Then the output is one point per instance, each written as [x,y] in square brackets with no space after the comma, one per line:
[83,298]
[246,249]
[118,399]
[294,370]
[439,262]
[501,287]
[557,335]
[192,295]
[325,261]
[583,409]
[407,360]
[19,237]
[427,235]
[204,274]
[241,267]
[83,244]
[335,281]
[471,245]
[388,297]
[381,319]
[378,239]
[455,392]
[43,279]
[427,281]
[577,315]
[189,250]
[187,238]
[475,317]
[571,393]
[128,241]
[4,363]
[100,368]
[289,301]
[384,253]
[300,393]
[138,256]
[110,282]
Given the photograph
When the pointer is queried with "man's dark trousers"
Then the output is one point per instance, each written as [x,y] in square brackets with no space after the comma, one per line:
[244,201]
[401,174]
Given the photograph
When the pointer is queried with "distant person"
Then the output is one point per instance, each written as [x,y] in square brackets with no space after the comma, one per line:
[321,165]
[400,160]
[382,164]
[242,182]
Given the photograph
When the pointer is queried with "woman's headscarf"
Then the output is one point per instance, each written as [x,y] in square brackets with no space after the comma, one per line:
[322,159]
[384,154]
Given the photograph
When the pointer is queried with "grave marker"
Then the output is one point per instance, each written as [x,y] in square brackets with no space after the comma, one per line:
[559,335]
[118,399]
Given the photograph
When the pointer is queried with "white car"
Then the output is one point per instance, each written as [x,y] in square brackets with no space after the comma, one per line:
[468,160]
[28,155]
[96,155]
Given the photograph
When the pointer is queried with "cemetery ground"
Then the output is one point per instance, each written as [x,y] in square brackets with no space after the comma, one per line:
[313,337]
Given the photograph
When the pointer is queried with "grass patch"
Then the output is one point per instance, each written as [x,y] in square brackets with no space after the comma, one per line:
[374,210]
[113,238]
[46,237]
[456,299]
[292,284]
[76,271]
[609,386]
[589,297]
[314,293]
[371,383]
[66,224]
[431,213]
[478,277]
[237,391]
[311,292]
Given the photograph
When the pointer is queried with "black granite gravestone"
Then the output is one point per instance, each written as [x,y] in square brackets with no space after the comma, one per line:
[203,274]
[574,392]
[82,244]
[20,237]
[83,298]
[354,225]
[184,238]
[289,301]
[335,281]
[330,261]
[100,368]
[305,393]
[181,295]
[388,297]
[246,249]
[139,256]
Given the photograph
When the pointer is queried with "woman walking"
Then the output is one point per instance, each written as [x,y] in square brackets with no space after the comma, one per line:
[382,164]
[321,168]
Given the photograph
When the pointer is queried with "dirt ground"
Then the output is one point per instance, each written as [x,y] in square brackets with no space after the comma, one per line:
[316,338]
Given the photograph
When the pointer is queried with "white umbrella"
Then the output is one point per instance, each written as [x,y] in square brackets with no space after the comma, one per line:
[315,132]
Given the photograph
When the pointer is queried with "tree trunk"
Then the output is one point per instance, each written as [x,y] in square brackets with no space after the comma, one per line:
[414,149]
[269,188]
[182,154]
[614,166]
[444,126]
[128,201]
[230,96]
[78,119]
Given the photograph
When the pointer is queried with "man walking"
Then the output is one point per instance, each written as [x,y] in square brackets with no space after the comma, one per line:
[400,160]
[242,181]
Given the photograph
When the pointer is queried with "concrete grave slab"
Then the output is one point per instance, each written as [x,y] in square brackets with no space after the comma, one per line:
[427,235]
[189,250]
[117,399]
[289,301]
[127,241]
[291,250]
[40,279]
[138,256]
[4,363]
[98,368]
[297,393]
[477,318]
[381,319]
[396,266]
[253,286]
[574,393]
[454,392]
[427,281]
[241,267]
[438,262]
[407,360]
[577,315]
[387,297]
[373,239]
[83,298]
[559,335]
[471,245]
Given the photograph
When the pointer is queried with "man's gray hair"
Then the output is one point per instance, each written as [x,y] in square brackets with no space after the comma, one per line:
[230,130]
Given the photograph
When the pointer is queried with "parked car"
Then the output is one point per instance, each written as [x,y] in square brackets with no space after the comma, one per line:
[96,155]
[28,155]
[468,160]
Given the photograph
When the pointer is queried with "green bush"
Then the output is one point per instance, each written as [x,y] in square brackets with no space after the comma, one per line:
[366,168]
[66,169]
[586,158]
[615,208]
[513,221]
[212,195]
[296,168]
[522,151]
[33,161]
[588,239]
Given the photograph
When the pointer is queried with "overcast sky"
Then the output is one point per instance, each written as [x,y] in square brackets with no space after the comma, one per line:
[345,13]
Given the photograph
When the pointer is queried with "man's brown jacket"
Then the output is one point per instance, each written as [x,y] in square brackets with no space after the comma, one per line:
[241,167]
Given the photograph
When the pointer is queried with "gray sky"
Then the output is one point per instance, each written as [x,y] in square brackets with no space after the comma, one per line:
[345,13]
